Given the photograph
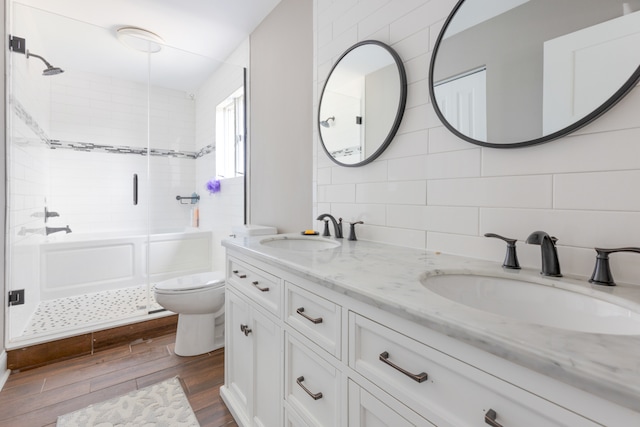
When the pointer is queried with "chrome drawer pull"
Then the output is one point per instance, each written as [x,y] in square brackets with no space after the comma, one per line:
[490,418]
[245,329]
[261,289]
[315,396]
[384,357]
[317,320]
[237,273]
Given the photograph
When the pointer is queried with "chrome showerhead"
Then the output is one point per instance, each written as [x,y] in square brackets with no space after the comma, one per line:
[325,123]
[50,70]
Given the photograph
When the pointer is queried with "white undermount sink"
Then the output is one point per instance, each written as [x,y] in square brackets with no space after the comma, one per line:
[300,243]
[536,303]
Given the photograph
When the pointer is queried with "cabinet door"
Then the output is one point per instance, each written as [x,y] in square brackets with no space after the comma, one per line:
[365,410]
[238,356]
[267,355]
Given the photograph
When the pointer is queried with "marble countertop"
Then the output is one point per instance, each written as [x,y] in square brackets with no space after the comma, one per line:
[390,277]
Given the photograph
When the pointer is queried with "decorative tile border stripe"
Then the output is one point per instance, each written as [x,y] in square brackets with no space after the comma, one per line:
[349,151]
[54,144]
[31,123]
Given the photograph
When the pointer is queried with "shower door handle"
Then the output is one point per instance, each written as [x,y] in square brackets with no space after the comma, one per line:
[135,189]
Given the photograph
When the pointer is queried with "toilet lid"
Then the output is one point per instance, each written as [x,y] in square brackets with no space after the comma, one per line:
[192,282]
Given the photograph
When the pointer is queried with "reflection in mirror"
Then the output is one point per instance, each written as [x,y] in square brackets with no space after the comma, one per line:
[362,103]
[509,73]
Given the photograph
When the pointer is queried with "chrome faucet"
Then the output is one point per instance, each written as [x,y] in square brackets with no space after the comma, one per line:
[50,230]
[48,214]
[550,263]
[337,225]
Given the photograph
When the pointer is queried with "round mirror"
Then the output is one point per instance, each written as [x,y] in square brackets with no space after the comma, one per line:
[362,103]
[512,73]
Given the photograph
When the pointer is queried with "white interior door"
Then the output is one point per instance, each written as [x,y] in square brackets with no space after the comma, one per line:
[463,102]
[583,69]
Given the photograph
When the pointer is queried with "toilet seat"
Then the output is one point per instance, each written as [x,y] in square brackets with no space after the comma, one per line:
[190,284]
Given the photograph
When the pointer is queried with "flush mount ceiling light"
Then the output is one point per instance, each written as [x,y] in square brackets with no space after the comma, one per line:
[140,39]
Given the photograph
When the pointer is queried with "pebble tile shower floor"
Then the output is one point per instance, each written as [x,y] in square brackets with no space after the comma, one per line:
[63,313]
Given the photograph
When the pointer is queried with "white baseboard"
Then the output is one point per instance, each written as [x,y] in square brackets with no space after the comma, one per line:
[4,372]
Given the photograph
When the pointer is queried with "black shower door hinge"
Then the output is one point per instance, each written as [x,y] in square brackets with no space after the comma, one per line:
[16,297]
[17,44]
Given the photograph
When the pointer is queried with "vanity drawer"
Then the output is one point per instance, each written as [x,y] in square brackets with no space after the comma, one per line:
[317,318]
[312,385]
[445,390]
[262,287]
[366,410]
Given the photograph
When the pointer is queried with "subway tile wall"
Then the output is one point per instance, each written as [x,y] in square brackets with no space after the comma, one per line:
[87,107]
[93,191]
[432,190]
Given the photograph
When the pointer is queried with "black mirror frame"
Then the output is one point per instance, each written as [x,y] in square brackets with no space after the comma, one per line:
[613,100]
[399,112]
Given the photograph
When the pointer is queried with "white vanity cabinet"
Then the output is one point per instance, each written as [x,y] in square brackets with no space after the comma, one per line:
[316,357]
[253,373]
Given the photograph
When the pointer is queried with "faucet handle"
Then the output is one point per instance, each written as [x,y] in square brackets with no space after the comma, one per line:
[352,229]
[511,258]
[602,271]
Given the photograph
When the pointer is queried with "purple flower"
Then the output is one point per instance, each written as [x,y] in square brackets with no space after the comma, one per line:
[213,186]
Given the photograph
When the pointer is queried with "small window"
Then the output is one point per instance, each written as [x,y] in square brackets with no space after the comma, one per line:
[230,136]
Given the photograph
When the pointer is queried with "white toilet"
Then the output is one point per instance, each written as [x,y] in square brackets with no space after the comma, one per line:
[198,299]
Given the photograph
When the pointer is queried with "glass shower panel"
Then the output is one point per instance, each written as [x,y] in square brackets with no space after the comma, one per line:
[179,148]
[76,139]
[112,184]
[187,220]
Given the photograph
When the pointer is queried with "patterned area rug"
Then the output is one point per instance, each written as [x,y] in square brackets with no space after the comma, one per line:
[159,405]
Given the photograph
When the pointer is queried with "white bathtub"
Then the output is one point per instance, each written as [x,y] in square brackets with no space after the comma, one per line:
[79,264]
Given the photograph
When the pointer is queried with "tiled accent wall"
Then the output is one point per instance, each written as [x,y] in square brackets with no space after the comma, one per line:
[106,121]
[92,108]
[431,190]
[97,139]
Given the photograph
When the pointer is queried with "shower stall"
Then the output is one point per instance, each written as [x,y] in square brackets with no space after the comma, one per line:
[110,147]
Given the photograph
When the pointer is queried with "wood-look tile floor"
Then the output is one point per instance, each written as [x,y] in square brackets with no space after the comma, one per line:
[36,397]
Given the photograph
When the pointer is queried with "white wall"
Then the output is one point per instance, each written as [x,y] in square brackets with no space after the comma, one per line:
[280,119]
[431,190]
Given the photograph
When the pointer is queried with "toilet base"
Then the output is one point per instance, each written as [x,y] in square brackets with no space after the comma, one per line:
[196,334]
